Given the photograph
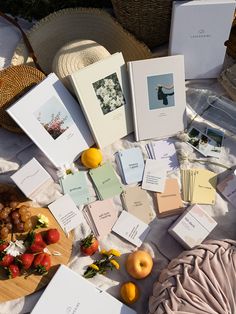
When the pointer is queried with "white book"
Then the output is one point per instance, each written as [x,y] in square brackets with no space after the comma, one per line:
[102,90]
[68,293]
[52,118]
[158,96]
[199,30]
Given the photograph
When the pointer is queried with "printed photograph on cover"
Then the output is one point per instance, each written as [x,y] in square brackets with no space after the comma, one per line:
[109,93]
[218,137]
[200,141]
[161,93]
[54,117]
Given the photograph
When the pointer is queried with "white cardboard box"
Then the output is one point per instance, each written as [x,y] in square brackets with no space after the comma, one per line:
[199,30]
[192,227]
[31,178]
[70,293]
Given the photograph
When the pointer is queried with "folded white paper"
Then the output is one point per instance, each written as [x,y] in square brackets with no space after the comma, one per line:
[131,228]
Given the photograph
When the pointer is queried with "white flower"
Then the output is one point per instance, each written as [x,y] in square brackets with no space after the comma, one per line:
[110,83]
[183,136]
[98,91]
[43,220]
[103,92]
[113,93]
[112,104]
[15,248]
[106,99]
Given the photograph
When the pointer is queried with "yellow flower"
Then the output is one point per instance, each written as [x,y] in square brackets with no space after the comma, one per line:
[43,220]
[114,263]
[104,252]
[95,267]
[114,252]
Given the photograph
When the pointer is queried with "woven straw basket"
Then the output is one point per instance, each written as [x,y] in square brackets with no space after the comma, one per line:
[14,82]
[231,43]
[148,20]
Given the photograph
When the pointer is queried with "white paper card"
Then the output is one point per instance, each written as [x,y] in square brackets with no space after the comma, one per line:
[154,176]
[165,152]
[131,228]
[31,177]
[66,213]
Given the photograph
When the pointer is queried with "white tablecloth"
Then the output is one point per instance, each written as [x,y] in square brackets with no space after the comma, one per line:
[16,150]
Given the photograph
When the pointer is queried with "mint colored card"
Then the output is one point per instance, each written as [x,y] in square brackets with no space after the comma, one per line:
[106,181]
[76,186]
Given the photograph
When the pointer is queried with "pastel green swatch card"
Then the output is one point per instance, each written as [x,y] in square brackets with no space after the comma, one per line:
[105,181]
[76,186]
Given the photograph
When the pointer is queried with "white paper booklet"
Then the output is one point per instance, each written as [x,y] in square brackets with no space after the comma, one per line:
[131,228]
[158,96]
[102,90]
[199,30]
[70,293]
[52,118]
[66,213]
[154,176]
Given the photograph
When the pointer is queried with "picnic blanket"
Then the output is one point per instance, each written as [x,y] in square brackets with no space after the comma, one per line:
[16,150]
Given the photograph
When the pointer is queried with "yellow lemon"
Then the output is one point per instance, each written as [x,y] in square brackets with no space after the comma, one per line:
[91,157]
[129,292]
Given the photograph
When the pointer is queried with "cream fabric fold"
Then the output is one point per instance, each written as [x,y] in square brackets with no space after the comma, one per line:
[200,281]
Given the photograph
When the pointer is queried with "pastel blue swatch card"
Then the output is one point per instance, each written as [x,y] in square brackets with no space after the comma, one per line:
[76,186]
[131,165]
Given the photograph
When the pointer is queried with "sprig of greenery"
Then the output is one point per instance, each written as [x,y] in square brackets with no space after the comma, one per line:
[106,262]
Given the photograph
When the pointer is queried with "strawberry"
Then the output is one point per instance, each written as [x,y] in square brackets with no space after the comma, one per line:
[26,260]
[3,245]
[13,271]
[35,242]
[52,236]
[89,245]
[6,260]
[42,263]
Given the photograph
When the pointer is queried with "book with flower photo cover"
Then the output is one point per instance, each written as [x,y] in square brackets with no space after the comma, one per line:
[52,118]
[103,92]
[158,96]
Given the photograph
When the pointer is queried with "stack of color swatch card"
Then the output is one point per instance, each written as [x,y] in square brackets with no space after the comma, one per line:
[106,182]
[101,216]
[130,164]
[76,186]
[154,176]
[165,152]
[199,186]
[135,201]
[66,213]
[169,202]
[131,228]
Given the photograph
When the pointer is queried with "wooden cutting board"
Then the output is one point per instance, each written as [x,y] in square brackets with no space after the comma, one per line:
[18,287]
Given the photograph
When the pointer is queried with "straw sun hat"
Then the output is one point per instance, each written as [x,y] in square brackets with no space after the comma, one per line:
[74,56]
[54,31]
